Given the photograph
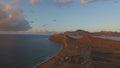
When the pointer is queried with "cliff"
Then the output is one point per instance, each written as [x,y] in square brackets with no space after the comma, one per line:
[87,52]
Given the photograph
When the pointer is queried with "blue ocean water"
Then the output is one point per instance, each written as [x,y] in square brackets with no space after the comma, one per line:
[111,38]
[104,37]
[25,51]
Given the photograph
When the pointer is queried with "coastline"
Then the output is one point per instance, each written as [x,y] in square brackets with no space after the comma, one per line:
[87,52]
[48,58]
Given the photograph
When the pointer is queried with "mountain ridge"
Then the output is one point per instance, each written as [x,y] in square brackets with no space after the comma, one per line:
[101,33]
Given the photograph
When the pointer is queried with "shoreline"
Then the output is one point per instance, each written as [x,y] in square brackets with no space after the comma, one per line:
[47,58]
[84,53]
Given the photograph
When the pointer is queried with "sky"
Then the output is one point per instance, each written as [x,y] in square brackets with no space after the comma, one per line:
[36,16]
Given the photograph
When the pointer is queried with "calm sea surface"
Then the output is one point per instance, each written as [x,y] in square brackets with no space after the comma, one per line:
[104,37]
[25,51]
[111,38]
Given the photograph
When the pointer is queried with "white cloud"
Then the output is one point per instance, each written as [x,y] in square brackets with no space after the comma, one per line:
[91,1]
[12,20]
[34,2]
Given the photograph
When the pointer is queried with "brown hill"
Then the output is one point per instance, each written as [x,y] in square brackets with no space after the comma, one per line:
[77,33]
[87,52]
[101,33]
[107,33]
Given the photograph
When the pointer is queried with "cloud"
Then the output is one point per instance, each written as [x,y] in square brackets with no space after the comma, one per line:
[83,1]
[34,2]
[63,2]
[11,17]
[68,2]
[12,20]
[91,1]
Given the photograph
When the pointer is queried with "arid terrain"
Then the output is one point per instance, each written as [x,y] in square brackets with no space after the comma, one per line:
[86,52]
[101,33]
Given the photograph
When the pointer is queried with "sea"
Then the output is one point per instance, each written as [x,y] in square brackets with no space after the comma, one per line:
[26,51]
[103,37]
[108,37]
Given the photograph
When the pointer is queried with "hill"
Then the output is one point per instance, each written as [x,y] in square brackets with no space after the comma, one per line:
[87,52]
[101,33]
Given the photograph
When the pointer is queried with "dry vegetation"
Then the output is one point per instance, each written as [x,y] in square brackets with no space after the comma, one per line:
[87,52]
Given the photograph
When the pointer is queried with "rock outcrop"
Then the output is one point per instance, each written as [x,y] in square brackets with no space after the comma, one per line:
[86,52]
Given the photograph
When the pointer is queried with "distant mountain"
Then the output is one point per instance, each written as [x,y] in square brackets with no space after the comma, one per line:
[101,33]
[77,32]
[107,33]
